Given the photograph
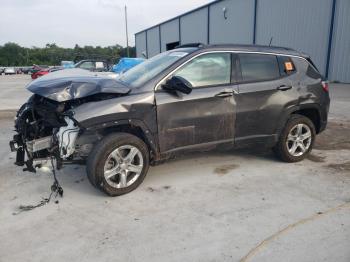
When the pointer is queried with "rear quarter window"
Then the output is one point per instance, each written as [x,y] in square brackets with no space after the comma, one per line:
[307,67]
[286,65]
[312,72]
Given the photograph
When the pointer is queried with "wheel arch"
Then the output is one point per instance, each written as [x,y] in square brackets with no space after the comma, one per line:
[311,111]
[131,126]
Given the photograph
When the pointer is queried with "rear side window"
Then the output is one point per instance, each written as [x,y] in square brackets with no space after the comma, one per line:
[258,67]
[286,65]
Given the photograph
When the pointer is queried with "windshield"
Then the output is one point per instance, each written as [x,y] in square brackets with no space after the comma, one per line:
[140,74]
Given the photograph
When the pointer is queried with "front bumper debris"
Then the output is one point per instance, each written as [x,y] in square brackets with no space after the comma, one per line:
[42,139]
[39,144]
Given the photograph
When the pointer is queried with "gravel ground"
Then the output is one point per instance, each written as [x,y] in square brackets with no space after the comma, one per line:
[219,206]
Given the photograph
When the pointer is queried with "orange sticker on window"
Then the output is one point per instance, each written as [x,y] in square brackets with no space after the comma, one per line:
[288,66]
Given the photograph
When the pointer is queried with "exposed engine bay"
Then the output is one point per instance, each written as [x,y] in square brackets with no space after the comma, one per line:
[47,129]
[45,125]
[44,131]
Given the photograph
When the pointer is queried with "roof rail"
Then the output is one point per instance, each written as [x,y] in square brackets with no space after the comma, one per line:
[191,45]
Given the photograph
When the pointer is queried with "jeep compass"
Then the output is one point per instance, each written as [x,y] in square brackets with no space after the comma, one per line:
[189,98]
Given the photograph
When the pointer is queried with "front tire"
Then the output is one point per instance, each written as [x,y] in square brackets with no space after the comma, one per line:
[296,139]
[118,164]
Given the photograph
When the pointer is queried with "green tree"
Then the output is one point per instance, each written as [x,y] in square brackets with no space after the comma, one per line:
[12,54]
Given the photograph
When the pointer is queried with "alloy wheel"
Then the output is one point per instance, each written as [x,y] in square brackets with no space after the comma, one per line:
[299,140]
[123,166]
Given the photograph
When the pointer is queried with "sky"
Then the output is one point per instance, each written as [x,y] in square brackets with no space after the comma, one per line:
[83,22]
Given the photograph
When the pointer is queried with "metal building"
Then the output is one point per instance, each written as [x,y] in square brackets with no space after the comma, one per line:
[320,28]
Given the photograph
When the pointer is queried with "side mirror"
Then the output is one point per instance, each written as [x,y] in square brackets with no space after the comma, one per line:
[177,83]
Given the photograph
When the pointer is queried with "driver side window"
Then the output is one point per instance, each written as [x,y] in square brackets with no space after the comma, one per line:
[207,70]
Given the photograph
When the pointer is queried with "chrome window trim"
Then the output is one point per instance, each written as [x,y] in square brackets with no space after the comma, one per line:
[228,51]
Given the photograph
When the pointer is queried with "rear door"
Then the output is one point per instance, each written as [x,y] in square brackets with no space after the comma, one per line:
[265,89]
[205,116]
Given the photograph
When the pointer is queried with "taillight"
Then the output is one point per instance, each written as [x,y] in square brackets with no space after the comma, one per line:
[325,86]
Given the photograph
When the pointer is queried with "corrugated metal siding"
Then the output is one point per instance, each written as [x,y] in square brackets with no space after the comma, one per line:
[153,41]
[340,55]
[237,28]
[169,33]
[140,42]
[194,27]
[299,24]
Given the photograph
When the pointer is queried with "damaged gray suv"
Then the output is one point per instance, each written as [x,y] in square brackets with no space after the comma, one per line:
[189,98]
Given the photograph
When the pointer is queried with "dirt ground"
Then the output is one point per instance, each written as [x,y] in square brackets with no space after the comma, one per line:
[218,206]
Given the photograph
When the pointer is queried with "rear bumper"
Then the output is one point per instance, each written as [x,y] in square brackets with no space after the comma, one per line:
[323,126]
[324,115]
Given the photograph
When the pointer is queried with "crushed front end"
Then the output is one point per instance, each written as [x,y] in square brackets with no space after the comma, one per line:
[46,130]
[45,125]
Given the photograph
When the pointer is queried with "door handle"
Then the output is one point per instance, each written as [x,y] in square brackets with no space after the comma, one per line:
[284,87]
[224,94]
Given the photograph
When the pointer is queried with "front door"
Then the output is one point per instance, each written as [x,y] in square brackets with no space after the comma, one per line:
[206,115]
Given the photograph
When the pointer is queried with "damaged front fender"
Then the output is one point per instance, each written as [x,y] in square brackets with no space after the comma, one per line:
[135,113]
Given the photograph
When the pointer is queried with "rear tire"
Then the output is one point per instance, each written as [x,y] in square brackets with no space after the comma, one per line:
[296,140]
[118,164]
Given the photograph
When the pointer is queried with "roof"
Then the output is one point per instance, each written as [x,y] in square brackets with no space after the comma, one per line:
[252,48]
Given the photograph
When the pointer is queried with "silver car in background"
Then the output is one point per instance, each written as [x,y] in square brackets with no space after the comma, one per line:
[10,71]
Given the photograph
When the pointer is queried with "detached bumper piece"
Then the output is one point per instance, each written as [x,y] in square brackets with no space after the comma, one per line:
[14,146]
[17,145]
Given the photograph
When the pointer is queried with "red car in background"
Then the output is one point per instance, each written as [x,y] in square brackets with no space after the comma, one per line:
[45,71]
[40,73]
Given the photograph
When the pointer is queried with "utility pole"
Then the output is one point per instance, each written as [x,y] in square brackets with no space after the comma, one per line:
[126,32]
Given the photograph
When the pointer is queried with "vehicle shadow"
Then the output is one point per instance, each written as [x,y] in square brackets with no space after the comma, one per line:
[73,178]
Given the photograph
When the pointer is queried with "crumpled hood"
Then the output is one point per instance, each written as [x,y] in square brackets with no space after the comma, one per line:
[69,84]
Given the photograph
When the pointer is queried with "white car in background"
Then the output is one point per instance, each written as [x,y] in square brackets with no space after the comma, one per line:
[10,71]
